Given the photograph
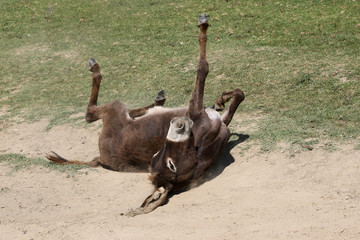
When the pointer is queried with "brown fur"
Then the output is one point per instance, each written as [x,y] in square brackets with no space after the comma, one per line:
[130,138]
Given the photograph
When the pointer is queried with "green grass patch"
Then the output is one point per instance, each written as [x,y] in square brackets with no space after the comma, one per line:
[297,61]
[20,162]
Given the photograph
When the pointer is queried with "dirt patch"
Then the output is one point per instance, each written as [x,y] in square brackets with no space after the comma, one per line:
[313,195]
[46,51]
[31,49]
[3,110]
[67,54]
[33,141]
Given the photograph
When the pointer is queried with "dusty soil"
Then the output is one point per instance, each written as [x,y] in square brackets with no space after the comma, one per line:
[312,195]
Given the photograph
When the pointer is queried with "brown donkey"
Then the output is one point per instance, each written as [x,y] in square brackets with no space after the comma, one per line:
[178,145]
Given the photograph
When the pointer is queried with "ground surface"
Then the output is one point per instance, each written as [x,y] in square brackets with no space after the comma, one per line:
[312,195]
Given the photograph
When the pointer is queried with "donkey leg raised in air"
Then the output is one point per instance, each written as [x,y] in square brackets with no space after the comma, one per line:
[159,101]
[95,112]
[237,97]
[196,105]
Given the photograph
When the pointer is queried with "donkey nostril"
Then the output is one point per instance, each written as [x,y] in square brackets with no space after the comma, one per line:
[180,124]
[180,128]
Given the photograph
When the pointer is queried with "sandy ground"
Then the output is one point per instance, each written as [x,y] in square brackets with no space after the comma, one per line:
[313,195]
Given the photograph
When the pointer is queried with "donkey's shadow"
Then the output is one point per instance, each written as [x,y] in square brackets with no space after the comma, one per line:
[225,159]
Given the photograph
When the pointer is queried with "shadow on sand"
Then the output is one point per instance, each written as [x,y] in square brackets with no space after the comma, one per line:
[225,158]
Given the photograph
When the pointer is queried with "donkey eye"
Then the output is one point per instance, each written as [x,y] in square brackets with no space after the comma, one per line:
[170,164]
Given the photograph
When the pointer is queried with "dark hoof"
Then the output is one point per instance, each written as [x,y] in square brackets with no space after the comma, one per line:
[218,108]
[160,96]
[203,19]
[92,62]
[93,66]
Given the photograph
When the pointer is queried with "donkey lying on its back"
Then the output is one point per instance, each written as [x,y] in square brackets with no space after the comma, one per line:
[178,145]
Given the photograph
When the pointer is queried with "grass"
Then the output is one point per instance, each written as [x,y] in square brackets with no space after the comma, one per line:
[19,162]
[297,61]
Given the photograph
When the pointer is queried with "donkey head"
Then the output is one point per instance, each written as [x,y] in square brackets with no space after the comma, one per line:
[173,166]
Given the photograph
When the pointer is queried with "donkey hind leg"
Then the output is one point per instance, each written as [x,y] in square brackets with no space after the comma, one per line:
[159,101]
[237,97]
[55,158]
[94,112]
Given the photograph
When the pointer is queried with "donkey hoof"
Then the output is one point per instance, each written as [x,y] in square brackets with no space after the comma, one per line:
[203,19]
[93,66]
[218,108]
[160,96]
[92,62]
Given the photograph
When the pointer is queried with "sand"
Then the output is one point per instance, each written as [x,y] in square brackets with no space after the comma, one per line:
[252,195]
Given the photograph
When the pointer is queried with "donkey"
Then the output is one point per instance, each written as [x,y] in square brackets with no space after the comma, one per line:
[178,145]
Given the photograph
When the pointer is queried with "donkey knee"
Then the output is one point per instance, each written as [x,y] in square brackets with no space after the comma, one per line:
[239,94]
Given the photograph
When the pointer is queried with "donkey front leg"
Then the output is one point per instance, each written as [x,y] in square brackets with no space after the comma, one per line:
[156,199]
[237,97]
[196,104]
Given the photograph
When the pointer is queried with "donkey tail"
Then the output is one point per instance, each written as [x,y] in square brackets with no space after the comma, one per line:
[55,158]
